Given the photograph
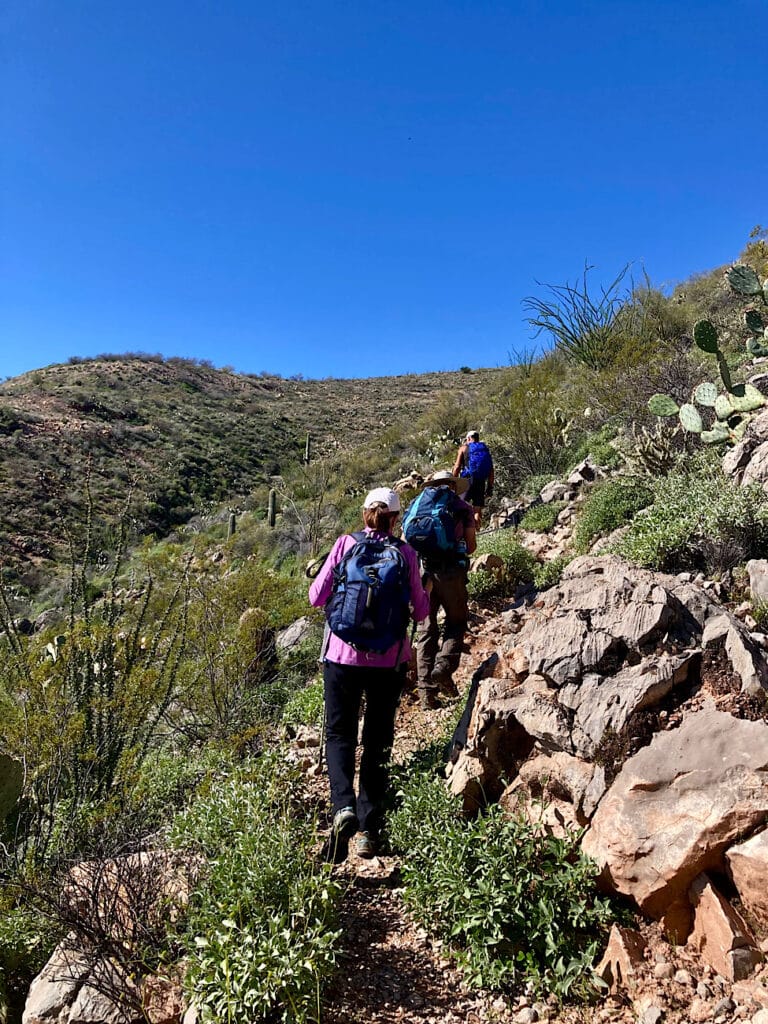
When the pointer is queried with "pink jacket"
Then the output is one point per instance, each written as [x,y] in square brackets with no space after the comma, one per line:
[320,591]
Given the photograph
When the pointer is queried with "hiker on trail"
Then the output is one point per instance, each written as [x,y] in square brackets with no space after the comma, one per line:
[370,586]
[441,526]
[474,461]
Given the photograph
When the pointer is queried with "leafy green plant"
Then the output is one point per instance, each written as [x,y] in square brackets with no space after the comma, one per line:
[517,567]
[515,904]
[698,517]
[261,930]
[541,518]
[608,506]
[305,706]
[548,574]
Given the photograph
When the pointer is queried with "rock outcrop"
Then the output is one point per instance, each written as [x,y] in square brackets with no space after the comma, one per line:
[610,707]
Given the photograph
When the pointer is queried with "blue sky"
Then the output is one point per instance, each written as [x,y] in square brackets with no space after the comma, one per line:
[351,188]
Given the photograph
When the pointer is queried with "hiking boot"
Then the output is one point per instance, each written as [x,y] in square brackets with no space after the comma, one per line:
[366,845]
[442,681]
[429,700]
[336,846]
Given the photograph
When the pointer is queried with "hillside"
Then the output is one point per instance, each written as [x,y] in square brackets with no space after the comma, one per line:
[189,434]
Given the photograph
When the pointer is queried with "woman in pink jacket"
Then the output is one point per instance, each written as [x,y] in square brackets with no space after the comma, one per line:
[349,674]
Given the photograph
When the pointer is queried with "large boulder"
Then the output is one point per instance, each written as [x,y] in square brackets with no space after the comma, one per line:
[747,461]
[748,868]
[607,643]
[677,805]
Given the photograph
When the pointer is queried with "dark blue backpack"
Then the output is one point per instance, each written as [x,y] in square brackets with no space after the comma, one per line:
[369,605]
[479,461]
[429,525]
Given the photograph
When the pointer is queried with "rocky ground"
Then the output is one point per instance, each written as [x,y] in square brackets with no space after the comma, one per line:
[392,971]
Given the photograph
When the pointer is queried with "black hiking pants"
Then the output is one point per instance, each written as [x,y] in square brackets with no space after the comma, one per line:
[345,686]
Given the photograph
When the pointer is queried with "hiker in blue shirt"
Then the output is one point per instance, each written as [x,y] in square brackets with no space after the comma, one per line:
[474,461]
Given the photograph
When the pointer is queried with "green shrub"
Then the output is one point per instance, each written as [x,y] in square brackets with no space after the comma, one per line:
[516,905]
[518,566]
[541,518]
[547,574]
[305,706]
[599,448]
[699,518]
[525,435]
[608,506]
[262,932]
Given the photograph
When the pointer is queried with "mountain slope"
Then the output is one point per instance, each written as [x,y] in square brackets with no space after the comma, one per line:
[189,434]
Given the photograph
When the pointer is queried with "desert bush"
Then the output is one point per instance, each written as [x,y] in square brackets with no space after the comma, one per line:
[232,683]
[541,518]
[305,706]
[525,435]
[517,568]
[548,574]
[609,505]
[261,929]
[587,328]
[515,904]
[599,448]
[84,709]
[699,518]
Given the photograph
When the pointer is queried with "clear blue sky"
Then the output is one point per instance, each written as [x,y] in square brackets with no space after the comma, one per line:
[351,188]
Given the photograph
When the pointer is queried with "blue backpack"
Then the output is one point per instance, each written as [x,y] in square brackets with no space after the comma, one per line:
[369,604]
[429,525]
[479,461]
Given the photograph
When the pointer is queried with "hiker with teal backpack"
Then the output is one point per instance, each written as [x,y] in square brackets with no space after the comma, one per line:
[370,586]
[474,462]
[441,527]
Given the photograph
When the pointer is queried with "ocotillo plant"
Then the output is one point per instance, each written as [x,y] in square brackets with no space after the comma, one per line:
[732,408]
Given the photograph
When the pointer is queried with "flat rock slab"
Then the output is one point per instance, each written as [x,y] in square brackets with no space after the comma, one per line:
[678,804]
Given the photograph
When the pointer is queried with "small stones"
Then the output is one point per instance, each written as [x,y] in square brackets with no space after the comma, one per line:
[703,991]
[683,977]
[723,1007]
[699,1010]
[652,1015]
[663,971]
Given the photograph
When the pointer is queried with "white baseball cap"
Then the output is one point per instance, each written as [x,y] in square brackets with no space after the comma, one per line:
[384,496]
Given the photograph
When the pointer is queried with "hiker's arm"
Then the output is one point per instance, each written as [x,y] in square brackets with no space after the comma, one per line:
[322,585]
[470,537]
[419,596]
[459,463]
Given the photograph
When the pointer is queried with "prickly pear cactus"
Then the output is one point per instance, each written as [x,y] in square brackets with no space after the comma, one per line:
[705,336]
[744,280]
[663,405]
[706,394]
[690,417]
[733,407]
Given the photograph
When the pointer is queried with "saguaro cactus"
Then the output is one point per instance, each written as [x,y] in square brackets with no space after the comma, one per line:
[232,527]
[307,447]
[271,506]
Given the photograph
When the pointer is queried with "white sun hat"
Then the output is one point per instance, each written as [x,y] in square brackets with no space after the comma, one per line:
[384,496]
